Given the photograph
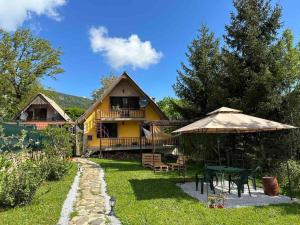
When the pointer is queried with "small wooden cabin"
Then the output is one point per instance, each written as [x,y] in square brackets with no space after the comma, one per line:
[121,118]
[42,111]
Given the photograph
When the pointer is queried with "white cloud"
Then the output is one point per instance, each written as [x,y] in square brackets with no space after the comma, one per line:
[120,52]
[14,12]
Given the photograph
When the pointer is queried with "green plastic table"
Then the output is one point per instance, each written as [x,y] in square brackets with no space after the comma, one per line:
[224,170]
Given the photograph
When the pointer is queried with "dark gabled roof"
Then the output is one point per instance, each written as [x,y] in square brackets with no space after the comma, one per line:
[111,88]
[52,103]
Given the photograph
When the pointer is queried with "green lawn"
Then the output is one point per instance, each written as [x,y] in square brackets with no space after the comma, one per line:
[45,207]
[143,197]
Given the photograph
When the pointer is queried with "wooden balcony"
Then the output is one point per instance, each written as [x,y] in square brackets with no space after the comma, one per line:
[135,143]
[120,114]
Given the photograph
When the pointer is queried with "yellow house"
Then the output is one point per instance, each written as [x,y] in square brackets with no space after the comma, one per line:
[121,118]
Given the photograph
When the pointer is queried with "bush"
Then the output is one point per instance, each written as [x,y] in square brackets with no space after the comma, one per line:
[282,174]
[54,168]
[58,142]
[18,181]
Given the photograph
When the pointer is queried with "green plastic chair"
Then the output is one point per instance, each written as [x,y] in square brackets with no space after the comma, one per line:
[253,176]
[206,177]
[240,179]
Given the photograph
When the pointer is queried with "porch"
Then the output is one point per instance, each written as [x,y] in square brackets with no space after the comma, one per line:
[120,114]
[134,143]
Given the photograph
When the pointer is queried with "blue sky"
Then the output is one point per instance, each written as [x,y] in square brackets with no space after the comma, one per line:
[169,26]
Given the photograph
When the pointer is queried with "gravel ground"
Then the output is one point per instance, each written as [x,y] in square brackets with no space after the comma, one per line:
[258,198]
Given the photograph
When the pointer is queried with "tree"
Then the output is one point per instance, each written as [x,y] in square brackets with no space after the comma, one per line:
[249,81]
[167,106]
[261,71]
[24,60]
[196,82]
[105,82]
[74,112]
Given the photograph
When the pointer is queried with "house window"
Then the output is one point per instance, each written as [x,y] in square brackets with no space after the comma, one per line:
[107,130]
[40,114]
[124,102]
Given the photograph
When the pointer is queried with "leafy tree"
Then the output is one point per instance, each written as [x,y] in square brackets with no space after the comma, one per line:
[24,59]
[106,82]
[167,105]
[196,83]
[74,112]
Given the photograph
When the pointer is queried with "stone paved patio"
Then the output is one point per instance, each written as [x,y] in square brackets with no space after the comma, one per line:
[258,198]
[89,206]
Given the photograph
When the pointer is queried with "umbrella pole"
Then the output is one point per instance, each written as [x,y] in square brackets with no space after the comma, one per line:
[218,146]
[289,179]
[288,167]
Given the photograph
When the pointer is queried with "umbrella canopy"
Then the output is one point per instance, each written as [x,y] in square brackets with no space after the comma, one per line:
[227,120]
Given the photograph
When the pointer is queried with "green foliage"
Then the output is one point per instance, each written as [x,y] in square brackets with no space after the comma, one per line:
[58,142]
[45,208]
[18,181]
[257,71]
[282,174]
[167,105]
[74,112]
[197,83]
[69,101]
[24,59]
[251,81]
[106,82]
[54,168]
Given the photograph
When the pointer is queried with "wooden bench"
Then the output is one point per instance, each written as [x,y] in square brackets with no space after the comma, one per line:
[180,163]
[154,162]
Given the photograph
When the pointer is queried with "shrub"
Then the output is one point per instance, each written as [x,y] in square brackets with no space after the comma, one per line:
[282,174]
[18,181]
[54,168]
[58,142]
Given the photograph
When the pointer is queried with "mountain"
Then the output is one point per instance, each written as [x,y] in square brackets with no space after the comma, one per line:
[70,101]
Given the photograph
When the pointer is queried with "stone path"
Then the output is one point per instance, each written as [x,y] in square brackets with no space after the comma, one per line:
[89,207]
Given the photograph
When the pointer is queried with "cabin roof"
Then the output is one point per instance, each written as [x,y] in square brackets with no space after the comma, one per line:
[56,107]
[111,88]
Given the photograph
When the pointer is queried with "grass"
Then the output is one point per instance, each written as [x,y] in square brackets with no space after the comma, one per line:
[45,207]
[144,197]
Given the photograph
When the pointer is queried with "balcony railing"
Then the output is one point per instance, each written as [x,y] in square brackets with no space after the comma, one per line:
[132,142]
[120,113]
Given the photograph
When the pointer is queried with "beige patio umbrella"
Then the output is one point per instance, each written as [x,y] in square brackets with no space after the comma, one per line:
[227,120]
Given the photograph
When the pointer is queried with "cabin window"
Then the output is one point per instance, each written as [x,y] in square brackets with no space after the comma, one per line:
[109,130]
[124,102]
[40,114]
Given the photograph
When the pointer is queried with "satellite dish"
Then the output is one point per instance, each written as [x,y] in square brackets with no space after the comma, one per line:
[23,116]
[143,102]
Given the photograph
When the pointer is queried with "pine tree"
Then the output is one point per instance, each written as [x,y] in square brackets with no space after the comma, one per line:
[196,82]
[248,79]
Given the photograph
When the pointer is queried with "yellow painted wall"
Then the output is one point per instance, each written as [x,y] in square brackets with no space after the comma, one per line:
[150,114]
[125,128]
[128,129]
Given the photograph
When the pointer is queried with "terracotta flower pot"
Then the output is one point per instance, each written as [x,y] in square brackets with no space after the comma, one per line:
[270,185]
[220,206]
